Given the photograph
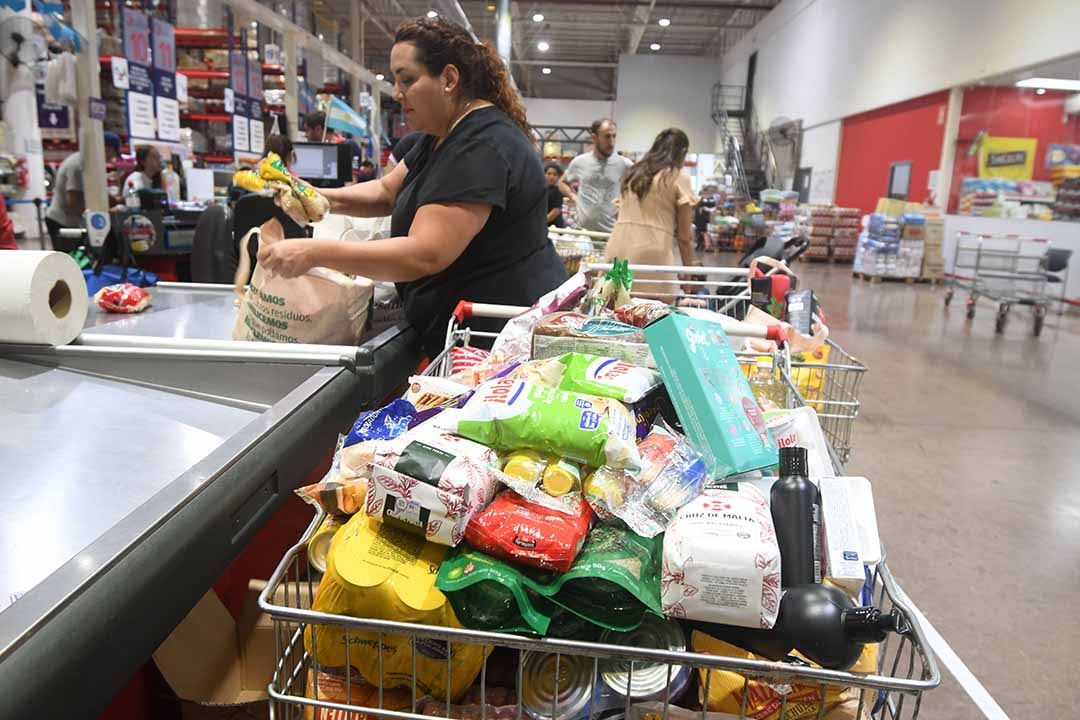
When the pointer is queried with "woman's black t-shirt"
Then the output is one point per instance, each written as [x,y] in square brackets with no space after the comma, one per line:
[485,159]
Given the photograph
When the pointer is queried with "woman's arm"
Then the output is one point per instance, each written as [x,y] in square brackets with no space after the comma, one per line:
[553,214]
[684,231]
[437,237]
[374,198]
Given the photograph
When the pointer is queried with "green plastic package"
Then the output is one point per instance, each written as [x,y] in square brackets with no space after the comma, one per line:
[509,414]
[606,377]
[613,583]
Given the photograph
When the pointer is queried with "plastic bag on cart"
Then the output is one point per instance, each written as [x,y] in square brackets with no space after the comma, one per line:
[515,339]
[321,306]
[379,572]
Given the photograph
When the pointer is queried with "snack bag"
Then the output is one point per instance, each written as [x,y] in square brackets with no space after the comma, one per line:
[358,449]
[721,560]
[514,529]
[763,699]
[612,290]
[427,391]
[606,377]
[122,298]
[509,414]
[335,495]
[381,572]
[514,341]
[642,313]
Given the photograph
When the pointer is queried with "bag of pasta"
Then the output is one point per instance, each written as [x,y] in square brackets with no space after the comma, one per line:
[381,572]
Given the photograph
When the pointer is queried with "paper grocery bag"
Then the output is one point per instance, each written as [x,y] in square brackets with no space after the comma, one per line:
[322,307]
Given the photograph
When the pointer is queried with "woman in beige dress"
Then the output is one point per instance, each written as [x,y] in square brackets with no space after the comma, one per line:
[656,208]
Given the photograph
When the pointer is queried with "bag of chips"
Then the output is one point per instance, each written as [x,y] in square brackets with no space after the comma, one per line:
[509,414]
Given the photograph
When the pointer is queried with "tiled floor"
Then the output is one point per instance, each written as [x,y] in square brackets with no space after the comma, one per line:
[972,442]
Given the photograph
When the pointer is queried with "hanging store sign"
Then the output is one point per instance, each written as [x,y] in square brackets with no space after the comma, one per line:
[1007,157]
[140,94]
[168,109]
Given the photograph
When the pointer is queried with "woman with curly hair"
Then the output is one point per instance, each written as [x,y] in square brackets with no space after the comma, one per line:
[468,202]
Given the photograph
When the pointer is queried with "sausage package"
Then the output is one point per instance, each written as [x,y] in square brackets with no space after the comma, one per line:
[509,414]
[514,529]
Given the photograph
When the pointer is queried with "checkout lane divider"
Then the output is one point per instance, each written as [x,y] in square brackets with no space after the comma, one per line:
[290,357]
[162,342]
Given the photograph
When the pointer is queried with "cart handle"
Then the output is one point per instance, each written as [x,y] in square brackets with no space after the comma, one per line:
[466,310]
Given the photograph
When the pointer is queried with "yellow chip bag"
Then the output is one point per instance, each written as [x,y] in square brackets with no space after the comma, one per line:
[763,699]
[378,571]
[250,180]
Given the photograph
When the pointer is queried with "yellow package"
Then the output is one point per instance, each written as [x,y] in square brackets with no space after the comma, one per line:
[763,701]
[378,571]
[810,380]
[250,180]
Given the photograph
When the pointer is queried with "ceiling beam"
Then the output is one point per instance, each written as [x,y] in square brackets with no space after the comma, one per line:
[518,46]
[567,63]
[595,23]
[637,28]
[373,18]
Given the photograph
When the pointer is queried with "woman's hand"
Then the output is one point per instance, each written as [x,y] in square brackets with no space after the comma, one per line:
[287,258]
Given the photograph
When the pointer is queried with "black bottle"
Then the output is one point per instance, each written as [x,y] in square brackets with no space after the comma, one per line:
[796,514]
[820,621]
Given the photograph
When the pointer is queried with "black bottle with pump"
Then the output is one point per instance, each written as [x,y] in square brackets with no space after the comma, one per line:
[796,514]
[820,621]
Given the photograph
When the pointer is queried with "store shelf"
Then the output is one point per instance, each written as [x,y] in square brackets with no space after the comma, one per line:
[196,74]
[1030,199]
[208,117]
[205,38]
[215,159]
[218,94]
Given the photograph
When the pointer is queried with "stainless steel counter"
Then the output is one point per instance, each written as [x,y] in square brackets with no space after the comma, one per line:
[135,467]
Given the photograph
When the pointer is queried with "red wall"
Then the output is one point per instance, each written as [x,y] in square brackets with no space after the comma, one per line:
[912,130]
[1011,112]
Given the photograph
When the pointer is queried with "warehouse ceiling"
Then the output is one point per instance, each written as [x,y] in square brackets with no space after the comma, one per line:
[584,37]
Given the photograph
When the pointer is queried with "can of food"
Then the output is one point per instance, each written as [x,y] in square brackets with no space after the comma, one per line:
[556,687]
[318,546]
[649,680]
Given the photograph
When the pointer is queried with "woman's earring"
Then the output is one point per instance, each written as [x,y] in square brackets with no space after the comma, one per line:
[446,89]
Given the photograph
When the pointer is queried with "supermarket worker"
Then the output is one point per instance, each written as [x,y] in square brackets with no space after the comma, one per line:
[469,202]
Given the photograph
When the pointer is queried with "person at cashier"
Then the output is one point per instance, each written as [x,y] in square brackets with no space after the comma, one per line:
[468,202]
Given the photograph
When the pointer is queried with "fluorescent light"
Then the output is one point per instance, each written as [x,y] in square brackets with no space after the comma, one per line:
[380,76]
[432,14]
[254,24]
[545,70]
[538,17]
[654,46]
[1050,83]
[1040,91]
[320,36]
[664,22]
[543,46]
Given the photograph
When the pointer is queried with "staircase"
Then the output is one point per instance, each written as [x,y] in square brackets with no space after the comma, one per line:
[747,154]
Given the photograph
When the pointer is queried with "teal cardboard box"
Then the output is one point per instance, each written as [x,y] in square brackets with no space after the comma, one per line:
[711,395]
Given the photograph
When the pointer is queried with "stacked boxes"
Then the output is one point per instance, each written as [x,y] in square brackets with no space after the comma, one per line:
[934,249]
[816,223]
[845,234]
[879,246]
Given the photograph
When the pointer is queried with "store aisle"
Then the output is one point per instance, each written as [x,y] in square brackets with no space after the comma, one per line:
[970,440]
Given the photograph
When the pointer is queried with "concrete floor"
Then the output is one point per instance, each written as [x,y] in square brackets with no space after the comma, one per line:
[972,442]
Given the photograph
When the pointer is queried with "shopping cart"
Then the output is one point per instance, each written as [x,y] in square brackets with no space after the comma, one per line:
[905,666]
[1007,269]
[829,382]
[578,246]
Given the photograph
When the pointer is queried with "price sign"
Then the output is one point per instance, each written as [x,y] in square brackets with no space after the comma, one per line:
[238,72]
[255,79]
[136,36]
[164,46]
[240,133]
[168,119]
[140,109]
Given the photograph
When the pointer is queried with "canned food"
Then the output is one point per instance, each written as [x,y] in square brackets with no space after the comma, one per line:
[318,547]
[549,695]
[649,680]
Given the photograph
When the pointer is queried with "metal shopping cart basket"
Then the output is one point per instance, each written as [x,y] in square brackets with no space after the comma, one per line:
[578,246]
[829,382]
[1006,269]
[562,678]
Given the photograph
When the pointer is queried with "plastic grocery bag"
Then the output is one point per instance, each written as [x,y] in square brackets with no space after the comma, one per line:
[321,307]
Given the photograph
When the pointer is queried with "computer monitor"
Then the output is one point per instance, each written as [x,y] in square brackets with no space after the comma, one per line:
[323,164]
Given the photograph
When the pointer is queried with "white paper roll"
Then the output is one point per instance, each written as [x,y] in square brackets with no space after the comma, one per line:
[43,298]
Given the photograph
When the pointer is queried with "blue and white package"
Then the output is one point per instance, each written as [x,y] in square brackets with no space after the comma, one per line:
[386,423]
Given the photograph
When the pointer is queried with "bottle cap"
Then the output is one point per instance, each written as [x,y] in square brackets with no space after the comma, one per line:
[793,462]
[869,625]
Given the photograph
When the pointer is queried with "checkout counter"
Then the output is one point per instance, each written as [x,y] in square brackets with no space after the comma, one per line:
[137,463]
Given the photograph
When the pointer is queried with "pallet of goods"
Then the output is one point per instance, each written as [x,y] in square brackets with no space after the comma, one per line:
[816,223]
[891,246]
[845,234]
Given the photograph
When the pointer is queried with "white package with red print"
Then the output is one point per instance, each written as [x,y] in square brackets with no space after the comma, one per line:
[721,561]
[432,483]
[515,339]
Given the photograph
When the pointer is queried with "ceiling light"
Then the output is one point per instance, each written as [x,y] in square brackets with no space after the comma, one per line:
[1050,83]
[491,8]
[432,14]
[545,70]
[654,46]
[320,36]
[538,17]
[1040,91]
[664,22]
[254,24]
[543,46]
[380,77]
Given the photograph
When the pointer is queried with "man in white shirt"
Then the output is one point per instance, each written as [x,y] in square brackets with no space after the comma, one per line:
[68,201]
[599,175]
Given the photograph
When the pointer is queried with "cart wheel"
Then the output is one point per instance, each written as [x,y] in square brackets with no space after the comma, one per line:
[1002,317]
[970,309]
[1039,319]
[948,297]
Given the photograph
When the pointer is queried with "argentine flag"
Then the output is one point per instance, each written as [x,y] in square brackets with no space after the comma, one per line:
[344,118]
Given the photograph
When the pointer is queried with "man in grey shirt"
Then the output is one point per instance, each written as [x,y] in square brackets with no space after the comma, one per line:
[68,202]
[599,175]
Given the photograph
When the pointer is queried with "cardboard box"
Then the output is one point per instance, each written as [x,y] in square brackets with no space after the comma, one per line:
[913,232]
[711,396]
[890,207]
[849,530]
[219,666]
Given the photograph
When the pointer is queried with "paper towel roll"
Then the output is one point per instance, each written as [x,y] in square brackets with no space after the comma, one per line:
[43,298]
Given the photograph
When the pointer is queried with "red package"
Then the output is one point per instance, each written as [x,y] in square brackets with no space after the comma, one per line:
[123,298]
[642,314]
[516,530]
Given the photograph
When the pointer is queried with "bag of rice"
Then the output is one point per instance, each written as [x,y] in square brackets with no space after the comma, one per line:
[721,560]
